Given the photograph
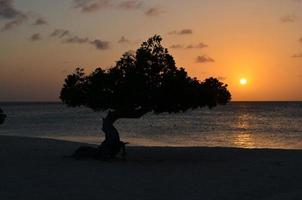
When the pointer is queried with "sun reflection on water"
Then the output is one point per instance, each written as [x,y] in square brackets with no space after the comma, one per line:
[243,122]
[244,138]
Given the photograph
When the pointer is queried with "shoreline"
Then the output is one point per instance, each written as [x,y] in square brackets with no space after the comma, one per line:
[140,142]
[35,168]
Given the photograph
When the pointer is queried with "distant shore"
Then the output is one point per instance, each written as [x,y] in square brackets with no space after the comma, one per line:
[32,168]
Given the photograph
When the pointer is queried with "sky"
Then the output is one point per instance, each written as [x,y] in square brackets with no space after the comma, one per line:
[42,41]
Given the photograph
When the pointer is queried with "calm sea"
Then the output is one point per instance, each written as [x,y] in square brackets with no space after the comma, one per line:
[239,124]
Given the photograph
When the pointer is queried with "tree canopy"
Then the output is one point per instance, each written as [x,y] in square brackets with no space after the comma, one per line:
[146,80]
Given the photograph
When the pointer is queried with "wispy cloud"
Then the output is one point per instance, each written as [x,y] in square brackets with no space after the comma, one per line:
[190,46]
[9,12]
[40,21]
[76,39]
[60,33]
[198,46]
[123,40]
[95,5]
[176,46]
[14,23]
[99,44]
[91,5]
[67,37]
[204,59]
[16,17]
[88,6]
[299,55]
[35,37]
[130,5]
[181,32]
[289,18]
[153,11]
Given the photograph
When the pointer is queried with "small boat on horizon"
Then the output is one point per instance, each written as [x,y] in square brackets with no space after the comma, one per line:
[2,116]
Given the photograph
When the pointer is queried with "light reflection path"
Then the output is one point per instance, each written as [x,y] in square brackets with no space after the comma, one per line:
[244,138]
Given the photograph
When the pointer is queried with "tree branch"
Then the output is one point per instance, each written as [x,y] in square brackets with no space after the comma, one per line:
[117,114]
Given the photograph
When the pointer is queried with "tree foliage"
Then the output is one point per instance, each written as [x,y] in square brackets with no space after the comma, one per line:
[146,80]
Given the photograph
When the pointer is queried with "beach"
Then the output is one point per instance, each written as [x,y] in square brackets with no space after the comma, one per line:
[34,168]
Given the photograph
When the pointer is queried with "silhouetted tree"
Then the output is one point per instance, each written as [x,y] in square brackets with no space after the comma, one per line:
[143,81]
[2,116]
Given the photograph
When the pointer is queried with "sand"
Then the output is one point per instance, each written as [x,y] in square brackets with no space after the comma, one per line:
[32,168]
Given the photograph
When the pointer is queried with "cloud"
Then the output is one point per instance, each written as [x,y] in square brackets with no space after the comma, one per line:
[40,21]
[88,6]
[181,32]
[14,23]
[123,40]
[16,17]
[176,46]
[9,12]
[130,5]
[66,37]
[204,59]
[190,46]
[91,5]
[297,55]
[289,18]
[35,37]
[153,11]
[99,44]
[198,46]
[185,31]
[60,33]
[95,5]
[76,39]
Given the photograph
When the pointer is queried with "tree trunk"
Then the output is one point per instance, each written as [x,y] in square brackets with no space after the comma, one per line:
[112,145]
[2,116]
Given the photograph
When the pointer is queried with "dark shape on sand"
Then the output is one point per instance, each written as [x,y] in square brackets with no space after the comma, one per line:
[2,116]
[86,152]
[139,83]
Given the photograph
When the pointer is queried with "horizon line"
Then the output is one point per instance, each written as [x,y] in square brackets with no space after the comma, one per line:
[237,101]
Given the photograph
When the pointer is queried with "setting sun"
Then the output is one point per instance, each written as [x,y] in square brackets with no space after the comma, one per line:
[243,81]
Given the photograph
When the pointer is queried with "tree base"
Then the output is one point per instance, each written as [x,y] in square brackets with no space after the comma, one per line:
[2,118]
[104,152]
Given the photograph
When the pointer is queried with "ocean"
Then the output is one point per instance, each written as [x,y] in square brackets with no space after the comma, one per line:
[238,124]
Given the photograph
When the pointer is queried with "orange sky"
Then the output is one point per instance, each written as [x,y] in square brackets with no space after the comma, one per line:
[241,38]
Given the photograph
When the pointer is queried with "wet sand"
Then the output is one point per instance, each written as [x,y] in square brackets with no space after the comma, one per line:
[32,168]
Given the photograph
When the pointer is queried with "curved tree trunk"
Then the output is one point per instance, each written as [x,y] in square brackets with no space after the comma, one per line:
[2,116]
[112,145]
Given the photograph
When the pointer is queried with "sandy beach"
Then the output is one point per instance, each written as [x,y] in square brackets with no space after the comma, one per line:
[32,168]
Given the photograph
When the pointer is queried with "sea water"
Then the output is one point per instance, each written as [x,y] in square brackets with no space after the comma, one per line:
[238,124]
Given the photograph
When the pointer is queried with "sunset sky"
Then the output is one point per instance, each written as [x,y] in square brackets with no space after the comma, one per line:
[260,40]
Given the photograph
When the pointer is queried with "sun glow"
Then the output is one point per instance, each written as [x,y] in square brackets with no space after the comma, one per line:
[243,81]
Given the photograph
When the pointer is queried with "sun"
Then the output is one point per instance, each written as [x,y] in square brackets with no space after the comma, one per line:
[243,81]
